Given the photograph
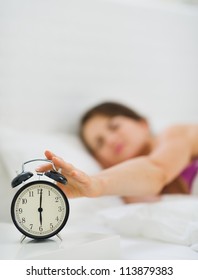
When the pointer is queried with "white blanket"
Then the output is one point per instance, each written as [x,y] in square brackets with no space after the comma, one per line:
[174,219]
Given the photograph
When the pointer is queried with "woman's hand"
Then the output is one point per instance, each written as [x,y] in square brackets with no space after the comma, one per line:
[79,184]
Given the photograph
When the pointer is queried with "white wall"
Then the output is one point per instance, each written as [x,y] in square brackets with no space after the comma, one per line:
[59,57]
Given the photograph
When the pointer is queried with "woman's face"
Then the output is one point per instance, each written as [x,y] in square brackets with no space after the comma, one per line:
[116,139]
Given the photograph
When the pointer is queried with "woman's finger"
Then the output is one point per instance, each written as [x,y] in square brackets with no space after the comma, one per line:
[48,166]
[67,168]
[44,167]
[49,155]
[59,163]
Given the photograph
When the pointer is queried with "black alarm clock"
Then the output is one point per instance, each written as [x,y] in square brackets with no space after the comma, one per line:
[39,209]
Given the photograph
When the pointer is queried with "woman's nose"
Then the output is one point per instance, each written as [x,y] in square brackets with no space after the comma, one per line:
[111,139]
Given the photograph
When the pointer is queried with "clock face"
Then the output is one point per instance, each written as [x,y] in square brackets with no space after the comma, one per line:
[40,209]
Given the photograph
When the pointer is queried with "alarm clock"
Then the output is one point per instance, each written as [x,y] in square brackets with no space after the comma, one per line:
[39,209]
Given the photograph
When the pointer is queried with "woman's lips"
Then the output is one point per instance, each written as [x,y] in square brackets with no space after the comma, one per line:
[118,148]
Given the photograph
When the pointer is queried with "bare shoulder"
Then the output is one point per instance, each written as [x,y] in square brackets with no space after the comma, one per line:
[183,132]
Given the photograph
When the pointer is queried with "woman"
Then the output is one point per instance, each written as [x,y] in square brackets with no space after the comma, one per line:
[138,166]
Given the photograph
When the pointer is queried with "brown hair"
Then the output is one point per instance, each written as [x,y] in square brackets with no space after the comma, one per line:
[109,109]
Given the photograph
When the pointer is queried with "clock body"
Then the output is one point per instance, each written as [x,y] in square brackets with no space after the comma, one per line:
[40,209]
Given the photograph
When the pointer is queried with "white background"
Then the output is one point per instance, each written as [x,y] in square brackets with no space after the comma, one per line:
[57,58]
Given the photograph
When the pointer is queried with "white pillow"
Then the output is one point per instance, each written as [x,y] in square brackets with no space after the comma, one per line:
[17,147]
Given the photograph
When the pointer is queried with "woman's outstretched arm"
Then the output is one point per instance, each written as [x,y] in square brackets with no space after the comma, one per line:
[141,176]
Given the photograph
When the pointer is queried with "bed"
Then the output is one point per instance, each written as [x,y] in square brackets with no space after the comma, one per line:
[167,229]
[57,61]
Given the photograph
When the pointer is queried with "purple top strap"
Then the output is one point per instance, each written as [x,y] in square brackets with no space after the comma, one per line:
[189,173]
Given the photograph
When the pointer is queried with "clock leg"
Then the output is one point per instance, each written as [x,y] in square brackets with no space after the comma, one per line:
[58,235]
[22,238]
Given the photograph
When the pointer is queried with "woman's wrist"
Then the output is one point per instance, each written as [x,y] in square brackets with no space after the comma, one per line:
[98,186]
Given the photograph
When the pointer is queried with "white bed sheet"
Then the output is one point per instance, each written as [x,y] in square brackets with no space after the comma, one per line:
[147,249]
[86,215]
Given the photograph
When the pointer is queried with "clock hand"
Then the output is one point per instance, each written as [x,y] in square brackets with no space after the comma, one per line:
[41,195]
[40,209]
[40,218]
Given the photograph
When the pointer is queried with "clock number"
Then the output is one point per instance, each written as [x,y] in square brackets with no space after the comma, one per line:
[31,226]
[24,200]
[23,220]
[49,193]
[39,191]
[31,193]
[57,219]
[20,210]
[51,226]
[56,199]
[40,228]
[60,209]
